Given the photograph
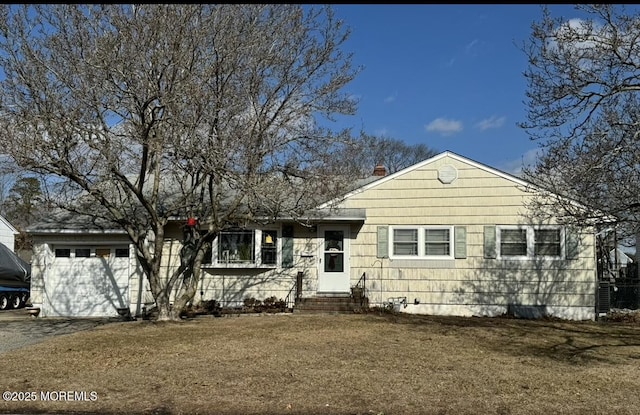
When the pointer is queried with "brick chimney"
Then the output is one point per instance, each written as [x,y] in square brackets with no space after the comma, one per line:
[380,170]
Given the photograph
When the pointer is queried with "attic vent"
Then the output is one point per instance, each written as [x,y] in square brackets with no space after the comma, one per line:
[447,174]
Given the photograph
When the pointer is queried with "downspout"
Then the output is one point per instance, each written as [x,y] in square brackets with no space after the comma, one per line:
[374,262]
[600,254]
[615,252]
[597,277]
[616,270]
[201,288]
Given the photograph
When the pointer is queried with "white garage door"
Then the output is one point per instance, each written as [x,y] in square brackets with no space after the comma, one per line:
[87,281]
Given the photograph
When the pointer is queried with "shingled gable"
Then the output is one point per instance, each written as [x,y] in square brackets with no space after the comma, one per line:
[373,181]
[380,180]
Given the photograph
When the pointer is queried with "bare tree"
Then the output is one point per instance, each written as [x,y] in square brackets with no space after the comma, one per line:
[582,101]
[141,114]
[24,206]
[393,154]
[8,175]
[24,201]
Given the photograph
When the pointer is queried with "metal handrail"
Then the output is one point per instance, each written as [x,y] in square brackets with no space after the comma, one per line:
[363,281]
[289,303]
[297,286]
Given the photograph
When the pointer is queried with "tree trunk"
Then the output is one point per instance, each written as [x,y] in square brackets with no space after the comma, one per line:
[164,311]
[190,283]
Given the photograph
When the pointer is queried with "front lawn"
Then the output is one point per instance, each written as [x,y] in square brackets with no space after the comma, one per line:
[332,364]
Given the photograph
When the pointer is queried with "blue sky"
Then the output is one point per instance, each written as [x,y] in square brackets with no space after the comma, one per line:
[448,76]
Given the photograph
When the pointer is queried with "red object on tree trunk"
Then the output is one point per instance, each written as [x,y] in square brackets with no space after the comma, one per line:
[191,222]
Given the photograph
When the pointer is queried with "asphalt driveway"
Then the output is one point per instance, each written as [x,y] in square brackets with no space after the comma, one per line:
[18,329]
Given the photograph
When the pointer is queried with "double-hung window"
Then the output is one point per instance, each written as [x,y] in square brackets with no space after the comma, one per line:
[528,242]
[437,242]
[269,247]
[513,242]
[405,242]
[421,242]
[547,242]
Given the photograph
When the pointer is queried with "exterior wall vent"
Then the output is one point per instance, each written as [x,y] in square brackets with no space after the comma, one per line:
[447,174]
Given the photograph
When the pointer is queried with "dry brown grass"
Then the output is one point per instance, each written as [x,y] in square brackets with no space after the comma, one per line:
[336,364]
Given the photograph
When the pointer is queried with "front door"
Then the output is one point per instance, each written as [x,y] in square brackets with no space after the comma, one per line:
[333,266]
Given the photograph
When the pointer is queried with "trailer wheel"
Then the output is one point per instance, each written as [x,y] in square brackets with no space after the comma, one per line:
[16,301]
[4,302]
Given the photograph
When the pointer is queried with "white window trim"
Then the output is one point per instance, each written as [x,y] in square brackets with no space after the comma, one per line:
[257,254]
[421,242]
[530,242]
[258,245]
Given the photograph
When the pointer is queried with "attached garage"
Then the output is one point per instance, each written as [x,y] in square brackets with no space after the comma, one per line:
[86,280]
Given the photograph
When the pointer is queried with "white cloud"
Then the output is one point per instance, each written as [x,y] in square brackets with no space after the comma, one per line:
[469,47]
[491,122]
[444,126]
[587,41]
[391,98]
[579,34]
[528,159]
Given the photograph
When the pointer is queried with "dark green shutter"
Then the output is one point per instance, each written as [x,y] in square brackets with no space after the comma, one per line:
[287,246]
[571,243]
[490,242]
[460,241]
[383,242]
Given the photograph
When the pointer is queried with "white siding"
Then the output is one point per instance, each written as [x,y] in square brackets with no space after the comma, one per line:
[7,234]
[82,287]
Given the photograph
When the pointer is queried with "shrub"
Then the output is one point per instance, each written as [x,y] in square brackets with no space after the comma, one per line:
[251,302]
